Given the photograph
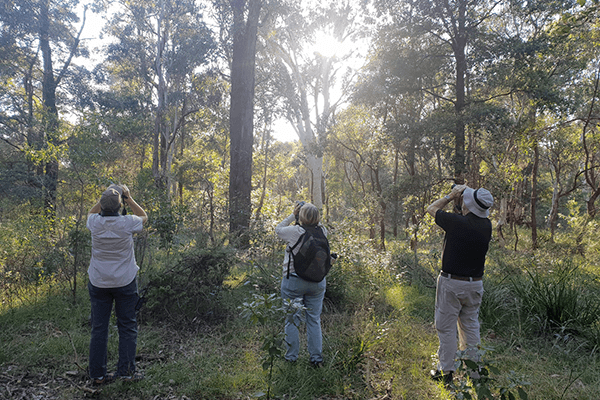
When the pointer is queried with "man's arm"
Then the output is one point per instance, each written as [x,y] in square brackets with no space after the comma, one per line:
[444,201]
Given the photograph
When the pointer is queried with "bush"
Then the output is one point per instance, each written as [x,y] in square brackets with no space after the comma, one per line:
[191,290]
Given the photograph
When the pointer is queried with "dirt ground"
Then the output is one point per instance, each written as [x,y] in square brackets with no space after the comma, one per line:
[16,384]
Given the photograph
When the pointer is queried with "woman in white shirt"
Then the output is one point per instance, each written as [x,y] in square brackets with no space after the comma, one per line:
[112,273]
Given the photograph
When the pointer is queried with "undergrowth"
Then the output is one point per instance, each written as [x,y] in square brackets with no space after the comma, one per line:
[378,332]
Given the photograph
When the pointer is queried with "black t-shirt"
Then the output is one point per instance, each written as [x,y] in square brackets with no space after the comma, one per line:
[465,244]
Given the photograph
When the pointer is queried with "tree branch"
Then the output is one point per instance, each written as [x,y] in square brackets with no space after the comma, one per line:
[67,63]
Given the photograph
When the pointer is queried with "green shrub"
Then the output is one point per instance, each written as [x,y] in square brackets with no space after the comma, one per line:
[166,219]
[191,290]
[485,380]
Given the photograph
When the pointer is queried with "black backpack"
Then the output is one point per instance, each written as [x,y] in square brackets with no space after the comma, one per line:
[312,261]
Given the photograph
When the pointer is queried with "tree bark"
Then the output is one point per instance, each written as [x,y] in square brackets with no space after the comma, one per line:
[50,116]
[396,197]
[459,45]
[158,152]
[534,174]
[590,169]
[242,112]
[266,141]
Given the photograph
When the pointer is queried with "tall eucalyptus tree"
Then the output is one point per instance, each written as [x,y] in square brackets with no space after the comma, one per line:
[306,77]
[451,29]
[540,67]
[39,39]
[246,15]
[158,49]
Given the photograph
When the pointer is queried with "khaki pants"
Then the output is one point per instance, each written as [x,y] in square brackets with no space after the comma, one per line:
[456,318]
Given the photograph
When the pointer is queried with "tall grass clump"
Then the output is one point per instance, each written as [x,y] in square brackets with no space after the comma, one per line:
[558,297]
[499,304]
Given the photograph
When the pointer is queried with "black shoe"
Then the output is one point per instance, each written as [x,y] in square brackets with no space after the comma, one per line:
[316,364]
[440,376]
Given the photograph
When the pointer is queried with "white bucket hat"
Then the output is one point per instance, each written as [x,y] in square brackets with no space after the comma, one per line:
[478,201]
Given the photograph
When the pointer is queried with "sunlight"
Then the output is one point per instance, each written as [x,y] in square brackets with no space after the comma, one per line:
[326,45]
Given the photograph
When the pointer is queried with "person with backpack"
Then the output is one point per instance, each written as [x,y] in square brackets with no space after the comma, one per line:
[305,264]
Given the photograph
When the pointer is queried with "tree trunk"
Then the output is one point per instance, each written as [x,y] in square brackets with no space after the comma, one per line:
[50,111]
[241,112]
[590,169]
[502,221]
[396,198]
[459,46]
[315,165]
[591,203]
[534,173]
[158,154]
[266,140]
[553,217]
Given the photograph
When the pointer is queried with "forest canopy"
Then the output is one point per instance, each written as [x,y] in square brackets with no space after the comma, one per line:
[498,94]
[417,95]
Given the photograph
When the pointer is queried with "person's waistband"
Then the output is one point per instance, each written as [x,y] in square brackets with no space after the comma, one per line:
[461,278]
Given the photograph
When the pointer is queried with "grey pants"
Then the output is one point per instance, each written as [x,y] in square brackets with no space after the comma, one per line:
[457,318]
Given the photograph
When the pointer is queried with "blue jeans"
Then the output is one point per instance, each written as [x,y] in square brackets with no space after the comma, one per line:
[311,294]
[125,299]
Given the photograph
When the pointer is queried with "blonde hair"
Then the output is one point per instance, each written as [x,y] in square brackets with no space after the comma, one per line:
[309,214]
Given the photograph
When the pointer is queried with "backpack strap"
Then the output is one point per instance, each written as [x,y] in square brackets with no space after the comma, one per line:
[290,249]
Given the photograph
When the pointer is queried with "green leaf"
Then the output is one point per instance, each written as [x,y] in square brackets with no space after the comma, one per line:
[274,351]
[522,394]
[494,369]
[581,2]
[483,392]
[471,364]
[511,396]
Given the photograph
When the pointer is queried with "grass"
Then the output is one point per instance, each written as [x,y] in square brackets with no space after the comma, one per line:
[49,338]
[378,341]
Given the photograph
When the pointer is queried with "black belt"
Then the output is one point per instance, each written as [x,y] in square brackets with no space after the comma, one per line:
[461,278]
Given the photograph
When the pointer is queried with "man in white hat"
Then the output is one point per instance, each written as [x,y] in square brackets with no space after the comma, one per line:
[459,285]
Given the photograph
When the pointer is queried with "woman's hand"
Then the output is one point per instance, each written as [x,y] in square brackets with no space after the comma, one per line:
[298,207]
[125,194]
